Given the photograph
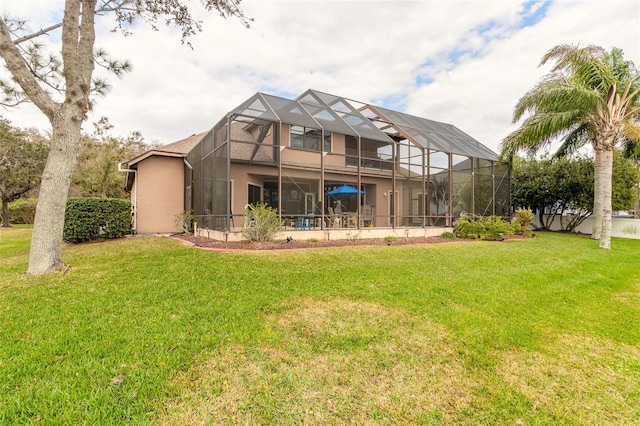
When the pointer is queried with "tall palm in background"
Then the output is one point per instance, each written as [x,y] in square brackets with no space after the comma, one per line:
[590,96]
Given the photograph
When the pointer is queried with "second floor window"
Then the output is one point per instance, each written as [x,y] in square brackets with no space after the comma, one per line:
[305,138]
[327,141]
[310,139]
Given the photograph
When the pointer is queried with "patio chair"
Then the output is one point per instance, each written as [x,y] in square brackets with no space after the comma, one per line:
[367,215]
[334,219]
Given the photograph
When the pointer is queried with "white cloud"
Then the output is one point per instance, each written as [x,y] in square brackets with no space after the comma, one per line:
[462,62]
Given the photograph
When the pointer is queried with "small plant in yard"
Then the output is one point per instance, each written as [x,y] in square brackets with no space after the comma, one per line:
[261,223]
[389,239]
[352,236]
[521,221]
[313,240]
[184,222]
[448,235]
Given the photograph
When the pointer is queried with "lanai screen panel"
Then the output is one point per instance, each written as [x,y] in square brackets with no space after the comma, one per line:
[437,135]
[194,157]
[324,115]
[424,139]
[256,107]
[220,189]
[460,140]
[483,186]
[352,117]
[253,141]
[291,112]
[502,195]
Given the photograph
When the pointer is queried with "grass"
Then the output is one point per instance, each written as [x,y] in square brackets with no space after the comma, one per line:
[148,331]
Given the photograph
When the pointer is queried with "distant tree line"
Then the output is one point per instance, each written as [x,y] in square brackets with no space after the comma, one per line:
[23,154]
[562,188]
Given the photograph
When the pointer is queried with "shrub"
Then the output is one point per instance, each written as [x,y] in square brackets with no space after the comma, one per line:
[390,239]
[448,235]
[23,210]
[260,223]
[184,222]
[521,221]
[482,228]
[88,219]
[352,236]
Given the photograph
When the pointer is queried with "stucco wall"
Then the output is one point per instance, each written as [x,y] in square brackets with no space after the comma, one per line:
[620,227]
[160,194]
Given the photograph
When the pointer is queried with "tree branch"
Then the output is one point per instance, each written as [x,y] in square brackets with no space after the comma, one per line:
[21,73]
[107,6]
[37,34]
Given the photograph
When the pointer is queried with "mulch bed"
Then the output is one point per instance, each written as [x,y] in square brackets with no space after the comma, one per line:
[210,244]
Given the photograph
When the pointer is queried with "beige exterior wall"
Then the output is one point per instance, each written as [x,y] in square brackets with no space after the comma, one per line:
[243,174]
[337,144]
[285,135]
[160,194]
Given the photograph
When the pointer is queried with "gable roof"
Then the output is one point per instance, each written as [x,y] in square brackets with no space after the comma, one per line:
[178,149]
[183,146]
[175,149]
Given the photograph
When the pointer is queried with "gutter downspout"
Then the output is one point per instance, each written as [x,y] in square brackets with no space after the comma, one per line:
[134,207]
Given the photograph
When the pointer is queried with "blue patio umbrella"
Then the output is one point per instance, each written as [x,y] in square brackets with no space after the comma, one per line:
[344,190]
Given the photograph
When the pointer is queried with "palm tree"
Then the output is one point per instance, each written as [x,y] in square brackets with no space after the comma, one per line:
[590,96]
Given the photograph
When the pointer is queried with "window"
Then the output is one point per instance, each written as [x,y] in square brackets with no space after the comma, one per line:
[327,142]
[254,193]
[305,138]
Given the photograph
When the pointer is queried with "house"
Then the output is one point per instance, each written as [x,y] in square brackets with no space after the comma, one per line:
[155,182]
[325,163]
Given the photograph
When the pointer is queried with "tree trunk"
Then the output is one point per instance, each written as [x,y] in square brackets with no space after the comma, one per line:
[597,194]
[606,173]
[78,37]
[46,243]
[5,213]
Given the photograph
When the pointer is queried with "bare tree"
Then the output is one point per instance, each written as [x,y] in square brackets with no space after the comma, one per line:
[61,86]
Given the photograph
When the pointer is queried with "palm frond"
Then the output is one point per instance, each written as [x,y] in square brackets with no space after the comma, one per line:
[575,140]
[538,131]
[556,94]
[588,91]
[631,133]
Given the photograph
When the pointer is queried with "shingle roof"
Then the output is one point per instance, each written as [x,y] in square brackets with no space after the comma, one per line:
[183,146]
[175,149]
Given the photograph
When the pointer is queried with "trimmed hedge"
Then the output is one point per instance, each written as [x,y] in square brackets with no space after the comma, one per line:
[88,219]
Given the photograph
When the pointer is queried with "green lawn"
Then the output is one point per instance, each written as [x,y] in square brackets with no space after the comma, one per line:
[148,331]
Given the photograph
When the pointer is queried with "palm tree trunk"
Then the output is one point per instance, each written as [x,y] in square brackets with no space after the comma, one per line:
[606,173]
[597,195]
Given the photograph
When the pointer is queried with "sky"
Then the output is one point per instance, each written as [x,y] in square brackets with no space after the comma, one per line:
[463,62]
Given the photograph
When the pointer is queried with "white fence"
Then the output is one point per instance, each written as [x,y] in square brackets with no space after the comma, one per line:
[620,227]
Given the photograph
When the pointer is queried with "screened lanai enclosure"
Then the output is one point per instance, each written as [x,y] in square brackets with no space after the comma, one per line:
[326,162]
